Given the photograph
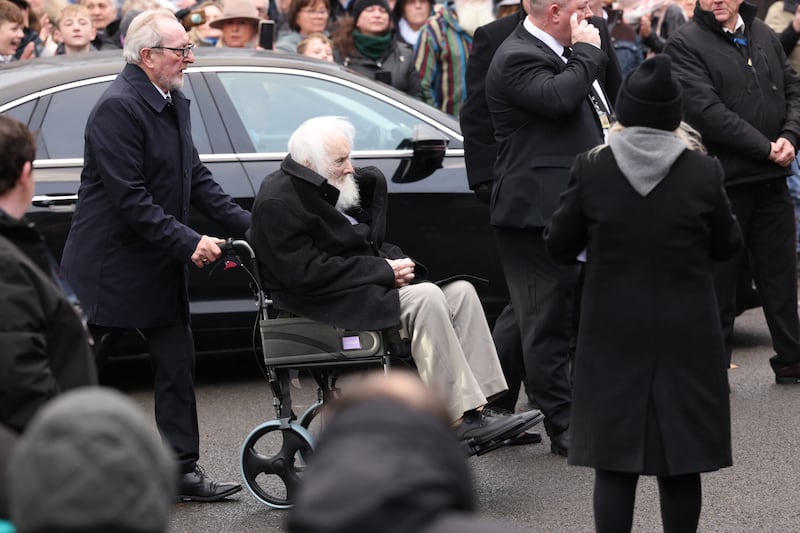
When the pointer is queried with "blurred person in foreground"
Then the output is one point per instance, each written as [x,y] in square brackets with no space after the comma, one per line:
[387,462]
[318,231]
[45,344]
[129,246]
[651,215]
[91,463]
[742,95]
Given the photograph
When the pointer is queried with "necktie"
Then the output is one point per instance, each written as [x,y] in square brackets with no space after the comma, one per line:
[567,52]
[169,100]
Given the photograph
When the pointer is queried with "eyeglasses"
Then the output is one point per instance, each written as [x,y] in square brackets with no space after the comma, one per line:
[317,12]
[184,52]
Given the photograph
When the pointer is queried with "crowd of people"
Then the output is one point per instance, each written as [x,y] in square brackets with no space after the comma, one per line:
[634,160]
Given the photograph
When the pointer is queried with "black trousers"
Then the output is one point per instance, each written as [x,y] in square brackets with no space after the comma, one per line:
[172,359]
[508,341]
[542,294]
[766,216]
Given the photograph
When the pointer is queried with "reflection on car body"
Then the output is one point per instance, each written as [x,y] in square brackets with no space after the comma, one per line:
[244,106]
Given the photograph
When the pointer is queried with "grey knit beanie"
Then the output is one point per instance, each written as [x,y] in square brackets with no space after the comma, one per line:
[90,461]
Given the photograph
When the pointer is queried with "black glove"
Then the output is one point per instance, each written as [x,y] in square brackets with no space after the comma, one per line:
[483,191]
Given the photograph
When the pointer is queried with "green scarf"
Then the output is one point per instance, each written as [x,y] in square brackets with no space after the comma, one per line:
[371,46]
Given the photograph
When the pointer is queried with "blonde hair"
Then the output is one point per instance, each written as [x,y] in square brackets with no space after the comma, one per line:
[316,36]
[73,10]
[684,132]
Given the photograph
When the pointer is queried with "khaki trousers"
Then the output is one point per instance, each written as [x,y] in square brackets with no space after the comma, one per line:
[451,344]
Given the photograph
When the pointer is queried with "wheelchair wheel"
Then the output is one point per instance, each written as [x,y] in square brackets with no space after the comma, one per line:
[273,460]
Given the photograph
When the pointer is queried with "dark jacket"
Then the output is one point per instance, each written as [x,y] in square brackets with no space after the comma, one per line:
[395,68]
[480,146]
[384,467]
[673,18]
[739,109]
[109,38]
[542,118]
[314,261]
[129,247]
[649,325]
[45,347]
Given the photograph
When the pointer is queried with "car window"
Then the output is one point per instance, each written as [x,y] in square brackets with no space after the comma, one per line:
[272,105]
[61,134]
[21,112]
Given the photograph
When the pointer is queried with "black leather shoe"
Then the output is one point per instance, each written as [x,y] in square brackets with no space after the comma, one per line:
[194,487]
[524,438]
[559,443]
[483,426]
[788,375]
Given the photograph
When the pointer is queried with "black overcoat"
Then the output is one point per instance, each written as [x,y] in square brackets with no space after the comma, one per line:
[317,264]
[129,246]
[649,339]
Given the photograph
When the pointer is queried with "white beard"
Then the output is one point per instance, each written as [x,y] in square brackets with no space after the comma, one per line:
[472,14]
[349,196]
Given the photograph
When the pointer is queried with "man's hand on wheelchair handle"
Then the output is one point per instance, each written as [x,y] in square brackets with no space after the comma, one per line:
[403,271]
[207,251]
[483,191]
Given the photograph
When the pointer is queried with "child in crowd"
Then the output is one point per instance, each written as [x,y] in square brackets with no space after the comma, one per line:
[11,23]
[75,30]
[316,45]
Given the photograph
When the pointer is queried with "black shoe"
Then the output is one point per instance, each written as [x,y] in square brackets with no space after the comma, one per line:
[559,443]
[788,374]
[524,438]
[483,426]
[194,487]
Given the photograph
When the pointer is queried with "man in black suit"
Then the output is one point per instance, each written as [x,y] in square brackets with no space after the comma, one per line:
[129,244]
[480,152]
[546,109]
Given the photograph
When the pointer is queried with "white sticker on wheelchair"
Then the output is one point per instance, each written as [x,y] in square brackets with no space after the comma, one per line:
[351,343]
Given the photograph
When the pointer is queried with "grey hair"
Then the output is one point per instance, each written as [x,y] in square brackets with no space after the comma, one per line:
[144,33]
[684,132]
[309,143]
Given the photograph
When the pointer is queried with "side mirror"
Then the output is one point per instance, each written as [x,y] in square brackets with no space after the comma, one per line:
[429,148]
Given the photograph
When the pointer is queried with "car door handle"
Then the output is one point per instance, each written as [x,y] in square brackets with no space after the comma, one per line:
[56,202]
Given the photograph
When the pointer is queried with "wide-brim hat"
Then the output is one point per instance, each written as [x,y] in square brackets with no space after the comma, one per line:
[237,9]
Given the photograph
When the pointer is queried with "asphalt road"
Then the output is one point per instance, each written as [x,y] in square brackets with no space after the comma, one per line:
[526,486]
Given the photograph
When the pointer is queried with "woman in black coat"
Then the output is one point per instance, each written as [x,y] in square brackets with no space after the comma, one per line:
[650,389]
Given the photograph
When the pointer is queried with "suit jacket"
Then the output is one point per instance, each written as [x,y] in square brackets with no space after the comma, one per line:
[128,248]
[480,146]
[648,289]
[543,118]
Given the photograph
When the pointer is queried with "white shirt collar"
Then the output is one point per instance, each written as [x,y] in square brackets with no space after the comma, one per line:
[545,37]
[163,94]
[739,24]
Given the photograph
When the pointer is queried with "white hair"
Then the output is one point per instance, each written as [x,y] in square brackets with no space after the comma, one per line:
[144,32]
[309,143]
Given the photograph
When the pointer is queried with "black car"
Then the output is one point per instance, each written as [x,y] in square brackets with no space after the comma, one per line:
[244,106]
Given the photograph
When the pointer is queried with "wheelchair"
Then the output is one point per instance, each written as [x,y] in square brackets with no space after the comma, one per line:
[274,455]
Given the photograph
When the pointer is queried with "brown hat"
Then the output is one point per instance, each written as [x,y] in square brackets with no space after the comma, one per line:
[237,9]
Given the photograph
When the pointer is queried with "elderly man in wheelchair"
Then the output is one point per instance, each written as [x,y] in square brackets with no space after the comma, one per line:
[318,232]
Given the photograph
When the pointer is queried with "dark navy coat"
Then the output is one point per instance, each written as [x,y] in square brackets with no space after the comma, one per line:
[129,247]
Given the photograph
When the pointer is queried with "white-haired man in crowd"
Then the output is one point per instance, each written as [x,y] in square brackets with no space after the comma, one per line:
[318,231]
